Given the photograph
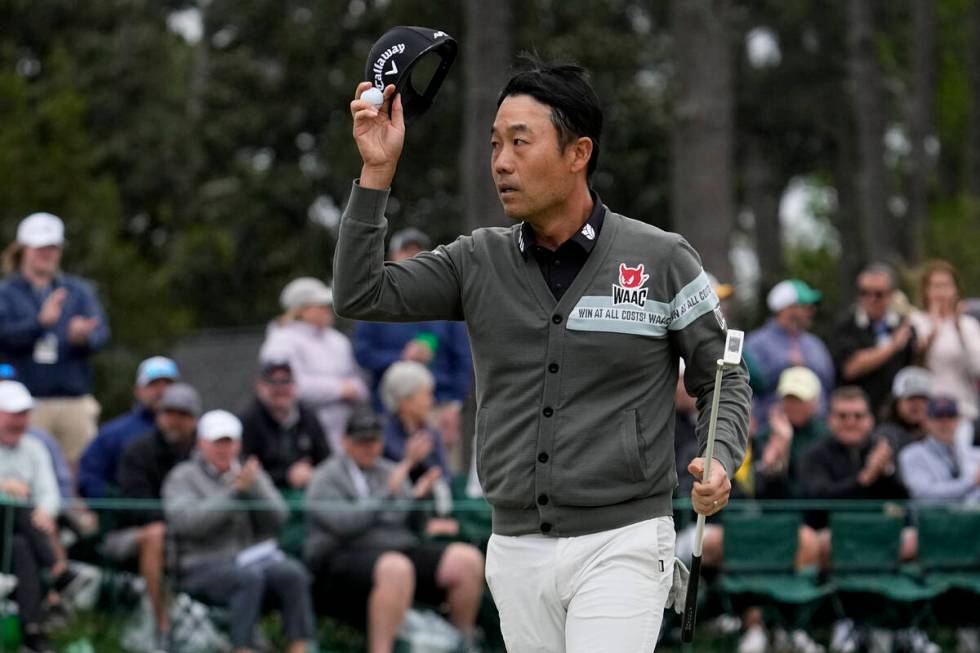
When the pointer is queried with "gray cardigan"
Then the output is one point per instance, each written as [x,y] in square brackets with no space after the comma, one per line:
[575,398]
[337,517]
[201,513]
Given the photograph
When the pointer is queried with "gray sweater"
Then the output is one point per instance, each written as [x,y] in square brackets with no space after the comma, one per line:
[201,512]
[337,517]
[575,411]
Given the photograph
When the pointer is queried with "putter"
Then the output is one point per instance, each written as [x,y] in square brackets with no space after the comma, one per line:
[732,357]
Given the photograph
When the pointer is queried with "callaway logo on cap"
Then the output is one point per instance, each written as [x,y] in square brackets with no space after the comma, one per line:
[395,54]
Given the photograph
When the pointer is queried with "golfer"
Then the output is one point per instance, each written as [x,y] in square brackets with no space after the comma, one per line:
[577,317]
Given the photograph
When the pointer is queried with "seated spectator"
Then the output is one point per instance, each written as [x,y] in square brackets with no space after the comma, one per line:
[100,462]
[26,475]
[51,324]
[934,469]
[145,464]
[372,552]
[904,419]
[280,431]
[407,395]
[228,554]
[871,341]
[443,347]
[793,428]
[320,357]
[785,341]
[850,465]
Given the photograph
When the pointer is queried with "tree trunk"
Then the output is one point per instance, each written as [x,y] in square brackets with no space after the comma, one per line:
[845,218]
[702,147]
[762,194]
[921,126]
[486,60]
[973,71]
[879,232]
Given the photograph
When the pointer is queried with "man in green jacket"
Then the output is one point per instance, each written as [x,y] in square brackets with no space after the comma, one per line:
[577,317]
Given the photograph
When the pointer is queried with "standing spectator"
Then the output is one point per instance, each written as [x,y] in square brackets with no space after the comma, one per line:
[406,392]
[26,474]
[50,325]
[145,464]
[320,357]
[228,553]
[792,430]
[871,342]
[784,341]
[100,462]
[950,339]
[372,552]
[904,418]
[442,346]
[280,431]
[934,469]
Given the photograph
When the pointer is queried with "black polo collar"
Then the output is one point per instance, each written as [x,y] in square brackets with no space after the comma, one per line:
[585,237]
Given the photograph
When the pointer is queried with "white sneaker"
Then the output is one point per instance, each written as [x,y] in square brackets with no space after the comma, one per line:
[968,640]
[880,641]
[753,640]
[8,583]
[845,637]
[802,643]
[917,641]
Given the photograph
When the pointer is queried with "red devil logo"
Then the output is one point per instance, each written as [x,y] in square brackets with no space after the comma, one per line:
[632,277]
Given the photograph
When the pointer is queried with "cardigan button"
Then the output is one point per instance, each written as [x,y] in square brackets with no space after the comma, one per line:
[548,411]
[556,319]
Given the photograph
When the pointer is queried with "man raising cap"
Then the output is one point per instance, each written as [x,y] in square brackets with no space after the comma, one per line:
[575,347]
[51,323]
[100,462]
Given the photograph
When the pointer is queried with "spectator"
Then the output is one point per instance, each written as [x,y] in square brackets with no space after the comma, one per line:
[280,431]
[372,552]
[228,554]
[407,395]
[143,468]
[26,475]
[850,465]
[904,418]
[793,429]
[100,462]
[50,325]
[934,469]
[320,357]
[871,341]
[784,341]
[442,346]
[950,339]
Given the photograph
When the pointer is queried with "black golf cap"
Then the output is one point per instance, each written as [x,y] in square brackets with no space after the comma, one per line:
[395,54]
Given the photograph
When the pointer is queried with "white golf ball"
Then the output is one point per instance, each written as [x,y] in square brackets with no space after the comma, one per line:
[374,96]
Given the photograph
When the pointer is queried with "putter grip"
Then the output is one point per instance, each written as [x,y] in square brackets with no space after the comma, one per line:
[691,602]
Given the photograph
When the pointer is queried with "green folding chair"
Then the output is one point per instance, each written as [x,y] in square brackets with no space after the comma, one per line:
[866,571]
[758,569]
[949,559]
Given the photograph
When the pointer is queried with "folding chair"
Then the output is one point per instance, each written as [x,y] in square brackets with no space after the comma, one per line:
[949,558]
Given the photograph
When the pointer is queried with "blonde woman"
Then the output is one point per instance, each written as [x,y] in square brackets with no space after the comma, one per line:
[321,358]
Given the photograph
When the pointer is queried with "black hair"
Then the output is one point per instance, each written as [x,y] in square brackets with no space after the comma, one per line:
[565,87]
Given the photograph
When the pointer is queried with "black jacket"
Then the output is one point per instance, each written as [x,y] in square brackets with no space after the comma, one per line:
[143,467]
[278,447]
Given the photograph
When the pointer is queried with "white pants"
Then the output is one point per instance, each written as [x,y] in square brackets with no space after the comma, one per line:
[589,594]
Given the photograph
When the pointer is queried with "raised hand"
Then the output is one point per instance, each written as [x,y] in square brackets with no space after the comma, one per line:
[379,138]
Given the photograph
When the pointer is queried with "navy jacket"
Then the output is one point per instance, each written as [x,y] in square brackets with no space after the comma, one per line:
[71,375]
[378,345]
[98,467]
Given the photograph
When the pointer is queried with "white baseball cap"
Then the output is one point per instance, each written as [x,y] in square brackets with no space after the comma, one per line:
[912,382]
[799,382]
[218,424]
[305,291]
[15,397]
[791,292]
[41,230]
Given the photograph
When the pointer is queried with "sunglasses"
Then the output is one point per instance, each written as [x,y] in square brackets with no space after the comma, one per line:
[869,292]
[842,415]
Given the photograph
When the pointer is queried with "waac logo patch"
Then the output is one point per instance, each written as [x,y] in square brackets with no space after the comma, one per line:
[630,289]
